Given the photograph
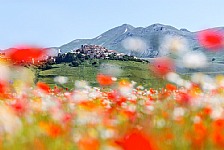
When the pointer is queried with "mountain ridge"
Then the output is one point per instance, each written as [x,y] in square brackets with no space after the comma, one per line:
[152,35]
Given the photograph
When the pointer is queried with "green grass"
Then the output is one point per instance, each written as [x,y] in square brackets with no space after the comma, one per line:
[133,71]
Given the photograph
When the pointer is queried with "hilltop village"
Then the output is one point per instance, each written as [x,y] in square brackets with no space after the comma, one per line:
[96,51]
[91,54]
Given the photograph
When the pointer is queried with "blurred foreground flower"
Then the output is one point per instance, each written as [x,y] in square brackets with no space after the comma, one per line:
[162,66]
[3,87]
[26,54]
[110,69]
[137,140]
[173,45]
[43,86]
[211,39]
[185,114]
[52,130]
[9,122]
[134,44]
[194,60]
[104,80]
[61,79]
[88,143]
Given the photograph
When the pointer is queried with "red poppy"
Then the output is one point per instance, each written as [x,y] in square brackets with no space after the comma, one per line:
[25,54]
[121,100]
[218,132]
[199,136]
[52,130]
[183,98]
[104,80]
[67,118]
[211,39]
[218,124]
[87,143]
[19,107]
[171,87]
[153,91]
[112,95]
[207,110]
[136,140]
[162,66]
[132,116]
[43,86]
[3,86]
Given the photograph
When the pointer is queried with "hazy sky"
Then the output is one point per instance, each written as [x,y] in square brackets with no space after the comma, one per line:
[56,22]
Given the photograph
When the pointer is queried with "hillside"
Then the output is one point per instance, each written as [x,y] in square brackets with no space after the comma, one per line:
[153,35]
[133,71]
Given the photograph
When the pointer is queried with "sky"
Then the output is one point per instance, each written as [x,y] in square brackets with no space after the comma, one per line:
[52,23]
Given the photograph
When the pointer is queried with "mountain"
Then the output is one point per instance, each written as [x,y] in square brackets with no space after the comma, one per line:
[107,39]
[153,35]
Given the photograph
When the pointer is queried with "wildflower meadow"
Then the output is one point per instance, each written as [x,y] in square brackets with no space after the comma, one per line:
[119,114]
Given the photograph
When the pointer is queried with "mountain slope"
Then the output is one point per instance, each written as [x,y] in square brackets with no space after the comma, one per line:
[106,39]
[153,35]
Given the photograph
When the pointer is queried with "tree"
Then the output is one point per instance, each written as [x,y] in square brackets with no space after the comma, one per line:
[45,66]
[69,57]
[75,63]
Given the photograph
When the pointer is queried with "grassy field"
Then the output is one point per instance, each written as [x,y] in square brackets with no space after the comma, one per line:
[134,71]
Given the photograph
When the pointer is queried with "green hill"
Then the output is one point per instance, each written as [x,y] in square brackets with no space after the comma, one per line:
[133,71]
